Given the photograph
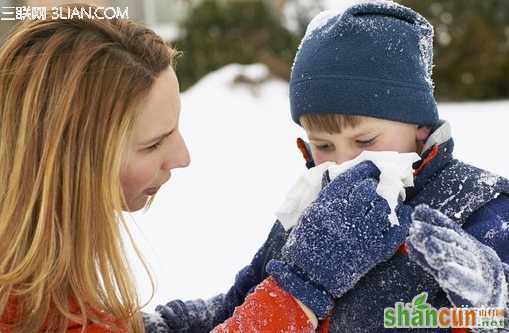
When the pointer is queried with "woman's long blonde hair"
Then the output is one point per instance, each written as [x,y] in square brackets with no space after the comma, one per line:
[69,91]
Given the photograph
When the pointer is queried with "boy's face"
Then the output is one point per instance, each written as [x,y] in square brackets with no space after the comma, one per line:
[370,134]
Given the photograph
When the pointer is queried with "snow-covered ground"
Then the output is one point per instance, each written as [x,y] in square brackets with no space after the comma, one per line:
[209,220]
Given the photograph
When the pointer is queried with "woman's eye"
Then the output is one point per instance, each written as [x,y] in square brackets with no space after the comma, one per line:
[154,146]
[365,143]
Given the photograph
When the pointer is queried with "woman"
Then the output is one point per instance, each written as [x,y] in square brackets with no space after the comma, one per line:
[88,128]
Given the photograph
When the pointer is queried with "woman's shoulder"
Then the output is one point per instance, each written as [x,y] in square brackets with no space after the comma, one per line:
[90,329]
[9,316]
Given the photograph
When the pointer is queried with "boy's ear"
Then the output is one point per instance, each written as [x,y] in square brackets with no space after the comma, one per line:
[421,136]
[423,133]
[306,153]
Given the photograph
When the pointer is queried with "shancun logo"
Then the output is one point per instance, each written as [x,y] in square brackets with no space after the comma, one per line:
[420,314]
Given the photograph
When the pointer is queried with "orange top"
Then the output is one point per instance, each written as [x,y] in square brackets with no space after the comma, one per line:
[268,309]
[9,316]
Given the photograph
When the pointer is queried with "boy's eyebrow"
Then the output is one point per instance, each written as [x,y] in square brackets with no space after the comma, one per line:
[361,130]
[157,138]
[312,137]
[364,132]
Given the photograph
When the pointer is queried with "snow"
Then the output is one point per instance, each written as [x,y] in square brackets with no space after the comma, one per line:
[154,323]
[298,9]
[319,18]
[343,5]
[460,265]
[319,21]
[426,48]
[396,173]
[209,220]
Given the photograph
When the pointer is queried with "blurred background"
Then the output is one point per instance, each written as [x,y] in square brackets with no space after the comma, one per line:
[471,44]
[210,219]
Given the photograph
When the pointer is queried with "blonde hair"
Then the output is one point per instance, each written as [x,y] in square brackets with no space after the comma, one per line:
[69,91]
[330,122]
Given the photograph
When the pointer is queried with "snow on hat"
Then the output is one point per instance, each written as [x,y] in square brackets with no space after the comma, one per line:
[373,60]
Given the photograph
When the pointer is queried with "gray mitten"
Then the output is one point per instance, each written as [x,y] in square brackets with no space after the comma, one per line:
[470,272]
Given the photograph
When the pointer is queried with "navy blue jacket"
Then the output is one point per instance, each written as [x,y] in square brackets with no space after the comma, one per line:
[475,198]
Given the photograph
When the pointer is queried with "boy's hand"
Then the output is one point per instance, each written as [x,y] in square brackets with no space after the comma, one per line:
[470,272]
[343,234]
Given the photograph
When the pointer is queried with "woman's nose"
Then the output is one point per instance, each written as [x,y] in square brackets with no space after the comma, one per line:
[184,159]
[178,157]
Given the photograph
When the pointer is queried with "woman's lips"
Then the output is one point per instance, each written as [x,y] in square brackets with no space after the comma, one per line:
[151,191]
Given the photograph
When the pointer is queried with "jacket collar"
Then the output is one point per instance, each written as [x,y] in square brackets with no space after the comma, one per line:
[436,154]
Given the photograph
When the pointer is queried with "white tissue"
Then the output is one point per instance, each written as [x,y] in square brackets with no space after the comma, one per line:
[396,173]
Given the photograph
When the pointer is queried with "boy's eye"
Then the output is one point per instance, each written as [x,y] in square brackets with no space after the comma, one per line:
[365,143]
[324,147]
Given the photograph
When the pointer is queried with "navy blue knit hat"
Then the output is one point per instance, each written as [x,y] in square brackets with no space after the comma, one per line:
[373,60]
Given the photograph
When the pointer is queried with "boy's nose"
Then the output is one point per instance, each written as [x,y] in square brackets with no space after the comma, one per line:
[345,155]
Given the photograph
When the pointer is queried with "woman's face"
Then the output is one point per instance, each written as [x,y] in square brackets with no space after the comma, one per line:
[156,145]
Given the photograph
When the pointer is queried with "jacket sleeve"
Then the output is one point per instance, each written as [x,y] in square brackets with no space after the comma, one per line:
[268,309]
[198,316]
[490,225]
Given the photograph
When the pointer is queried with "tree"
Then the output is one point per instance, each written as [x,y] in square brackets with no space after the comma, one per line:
[219,32]
[471,47]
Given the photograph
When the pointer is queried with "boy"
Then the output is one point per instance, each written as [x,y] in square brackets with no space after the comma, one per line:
[362,81]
